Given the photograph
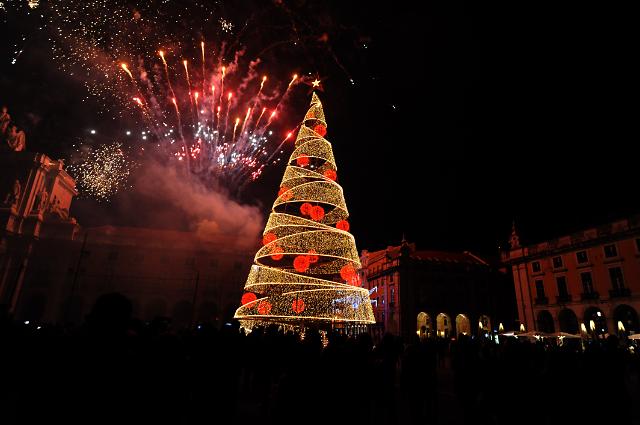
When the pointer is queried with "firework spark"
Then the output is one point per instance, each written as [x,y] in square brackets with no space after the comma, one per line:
[102,171]
[226,26]
[199,128]
[198,102]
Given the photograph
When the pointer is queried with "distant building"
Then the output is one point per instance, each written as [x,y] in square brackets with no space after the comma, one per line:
[588,281]
[435,293]
[52,270]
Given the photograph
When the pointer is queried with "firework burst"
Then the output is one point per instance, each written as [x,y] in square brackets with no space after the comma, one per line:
[208,116]
[101,171]
[205,106]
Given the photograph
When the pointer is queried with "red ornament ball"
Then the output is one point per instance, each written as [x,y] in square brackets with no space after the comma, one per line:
[302,160]
[330,174]
[301,263]
[285,193]
[298,306]
[347,272]
[320,129]
[313,256]
[317,213]
[264,307]
[248,297]
[343,225]
[267,238]
[306,208]
[277,253]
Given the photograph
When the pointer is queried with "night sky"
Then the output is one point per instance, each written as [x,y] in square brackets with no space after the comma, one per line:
[461,116]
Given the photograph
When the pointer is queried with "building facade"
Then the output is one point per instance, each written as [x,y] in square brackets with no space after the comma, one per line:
[435,293]
[52,270]
[37,194]
[585,282]
[164,273]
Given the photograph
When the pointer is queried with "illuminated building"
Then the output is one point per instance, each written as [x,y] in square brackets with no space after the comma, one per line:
[435,293]
[53,270]
[591,275]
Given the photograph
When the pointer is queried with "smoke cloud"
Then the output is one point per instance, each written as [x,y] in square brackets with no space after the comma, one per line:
[188,203]
[162,197]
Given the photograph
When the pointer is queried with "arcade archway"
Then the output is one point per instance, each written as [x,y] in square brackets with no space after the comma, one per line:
[443,325]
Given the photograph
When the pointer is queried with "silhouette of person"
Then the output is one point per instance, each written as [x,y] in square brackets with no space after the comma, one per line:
[110,315]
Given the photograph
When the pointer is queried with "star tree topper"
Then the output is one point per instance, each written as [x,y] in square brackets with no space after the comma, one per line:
[314,83]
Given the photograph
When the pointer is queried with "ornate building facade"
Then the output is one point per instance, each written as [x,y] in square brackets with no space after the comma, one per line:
[585,282]
[37,195]
[435,293]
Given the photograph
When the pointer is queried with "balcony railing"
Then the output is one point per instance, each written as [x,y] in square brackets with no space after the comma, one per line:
[589,296]
[563,298]
[619,292]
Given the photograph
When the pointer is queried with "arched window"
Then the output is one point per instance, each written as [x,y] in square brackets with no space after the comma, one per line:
[443,325]
[545,322]
[628,316]
[595,321]
[463,325]
[484,323]
[424,325]
[568,321]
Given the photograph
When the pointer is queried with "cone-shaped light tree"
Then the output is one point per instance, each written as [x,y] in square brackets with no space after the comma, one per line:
[306,272]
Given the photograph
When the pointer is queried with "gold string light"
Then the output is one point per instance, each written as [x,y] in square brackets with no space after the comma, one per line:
[307,269]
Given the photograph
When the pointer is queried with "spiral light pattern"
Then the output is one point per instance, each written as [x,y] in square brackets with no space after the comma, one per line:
[307,268]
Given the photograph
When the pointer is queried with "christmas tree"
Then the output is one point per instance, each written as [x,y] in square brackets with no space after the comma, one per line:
[306,272]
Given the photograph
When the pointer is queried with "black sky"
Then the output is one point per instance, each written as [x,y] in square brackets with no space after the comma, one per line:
[462,116]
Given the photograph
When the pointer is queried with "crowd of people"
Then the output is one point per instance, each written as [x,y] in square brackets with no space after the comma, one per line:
[114,369]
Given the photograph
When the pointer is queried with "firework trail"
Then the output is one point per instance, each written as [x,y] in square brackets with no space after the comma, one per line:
[202,106]
[219,152]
